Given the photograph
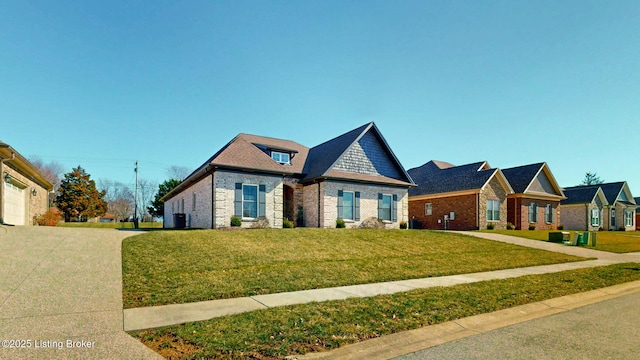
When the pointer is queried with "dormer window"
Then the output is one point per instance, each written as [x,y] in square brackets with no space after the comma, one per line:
[282,158]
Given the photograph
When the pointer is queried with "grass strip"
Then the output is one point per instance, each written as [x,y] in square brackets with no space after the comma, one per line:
[171,267]
[299,329]
[612,241]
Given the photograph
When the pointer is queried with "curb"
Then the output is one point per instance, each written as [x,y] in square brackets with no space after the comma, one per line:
[407,342]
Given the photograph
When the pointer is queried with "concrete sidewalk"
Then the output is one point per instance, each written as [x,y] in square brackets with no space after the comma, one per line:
[61,295]
[157,316]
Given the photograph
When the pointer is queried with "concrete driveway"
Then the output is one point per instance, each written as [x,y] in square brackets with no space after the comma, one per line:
[61,295]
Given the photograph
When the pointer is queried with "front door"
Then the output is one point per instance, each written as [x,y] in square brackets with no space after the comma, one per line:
[613,218]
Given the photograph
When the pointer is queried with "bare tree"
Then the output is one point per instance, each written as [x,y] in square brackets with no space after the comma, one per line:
[146,192]
[51,171]
[178,172]
[119,197]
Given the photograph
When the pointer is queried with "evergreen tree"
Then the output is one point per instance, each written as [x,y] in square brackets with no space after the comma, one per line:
[78,197]
[591,179]
[157,207]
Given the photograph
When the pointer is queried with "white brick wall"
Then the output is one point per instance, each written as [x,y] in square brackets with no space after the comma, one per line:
[225,196]
[368,202]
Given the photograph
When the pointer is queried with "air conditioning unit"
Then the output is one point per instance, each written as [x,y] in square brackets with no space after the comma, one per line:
[452,215]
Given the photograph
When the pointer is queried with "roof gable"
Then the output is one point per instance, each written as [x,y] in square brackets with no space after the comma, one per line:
[617,191]
[431,179]
[361,154]
[584,195]
[534,179]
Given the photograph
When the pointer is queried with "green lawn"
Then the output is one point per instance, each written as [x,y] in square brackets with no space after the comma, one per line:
[113,225]
[277,332]
[170,267]
[612,241]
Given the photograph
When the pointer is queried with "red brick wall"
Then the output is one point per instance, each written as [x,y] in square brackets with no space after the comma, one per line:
[518,213]
[464,206]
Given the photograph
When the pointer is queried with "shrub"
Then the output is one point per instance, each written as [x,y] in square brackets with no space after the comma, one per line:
[403,224]
[287,224]
[261,223]
[532,226]
[340,224]
[622,229]
[50,218]
[560,227]
[372,223]
[510,226]
[491,226]
[600,228]
[236,221]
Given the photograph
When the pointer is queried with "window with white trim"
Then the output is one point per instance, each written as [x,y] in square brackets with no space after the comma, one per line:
[385,208]
[548,214]
[533,212]
[628,217]
[493,210]
[595,217]
[249,201]
[348,205]
[282,158]
[428,209]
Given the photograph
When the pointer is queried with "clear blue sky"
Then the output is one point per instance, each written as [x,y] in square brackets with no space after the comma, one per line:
[102,84]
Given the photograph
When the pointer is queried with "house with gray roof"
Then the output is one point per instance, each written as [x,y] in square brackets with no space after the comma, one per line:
[536,199]
[465,197]
[621,212]
[584,208]
[352,177]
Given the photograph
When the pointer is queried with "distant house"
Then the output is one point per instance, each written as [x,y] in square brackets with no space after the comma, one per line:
[24,192]
[621,211]
[536,199]
[466,197]
[352,177]
[584,208]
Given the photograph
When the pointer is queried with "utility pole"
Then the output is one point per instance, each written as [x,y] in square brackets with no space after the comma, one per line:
[135,208]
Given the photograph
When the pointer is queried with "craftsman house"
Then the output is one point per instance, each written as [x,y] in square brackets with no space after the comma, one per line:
[24,192]
[620,214]
[536,198]
[583,208]
[352,177]
[466,197]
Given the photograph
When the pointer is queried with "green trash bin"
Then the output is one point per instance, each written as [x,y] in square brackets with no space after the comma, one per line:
[579,242]
[584,239]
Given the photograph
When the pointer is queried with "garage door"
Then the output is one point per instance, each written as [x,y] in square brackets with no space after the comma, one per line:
[13,204]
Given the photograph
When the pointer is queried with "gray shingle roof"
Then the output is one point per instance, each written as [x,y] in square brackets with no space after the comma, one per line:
[612,190]
[520,177]
[431,179]
[322,156]
[580,194]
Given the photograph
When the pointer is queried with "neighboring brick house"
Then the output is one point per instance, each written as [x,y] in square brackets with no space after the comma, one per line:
[466,197]
[536,198]
[24,192]
[584,208]
[621,211]
[352,177]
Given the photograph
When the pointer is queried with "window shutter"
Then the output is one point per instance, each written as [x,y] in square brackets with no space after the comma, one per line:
[357,206]
[379,205]
[262,200]
[237,203]
[394,208]
[340,204]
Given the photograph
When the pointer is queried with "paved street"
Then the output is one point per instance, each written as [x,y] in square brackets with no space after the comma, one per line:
[61,295]
[605,330]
